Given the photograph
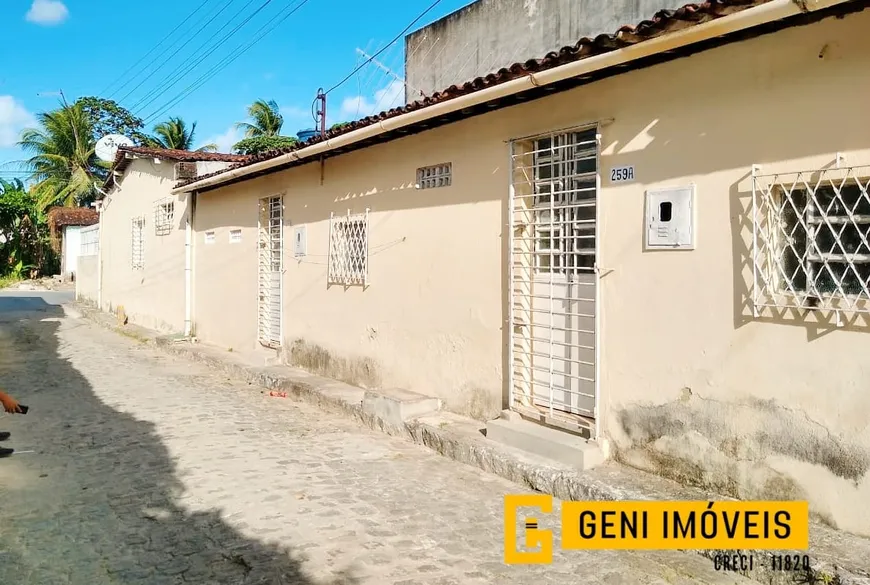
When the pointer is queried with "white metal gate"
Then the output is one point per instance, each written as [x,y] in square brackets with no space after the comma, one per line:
[270,271]
[553,276]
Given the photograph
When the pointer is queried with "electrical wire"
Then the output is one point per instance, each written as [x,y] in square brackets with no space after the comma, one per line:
[399,36]
[205,55]
[203,79]
[178,50]
[133,66]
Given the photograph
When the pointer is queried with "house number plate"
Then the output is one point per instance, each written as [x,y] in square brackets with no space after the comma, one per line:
[621,174]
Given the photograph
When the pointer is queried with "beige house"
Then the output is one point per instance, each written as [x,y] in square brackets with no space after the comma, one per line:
[143,260]
[657,239]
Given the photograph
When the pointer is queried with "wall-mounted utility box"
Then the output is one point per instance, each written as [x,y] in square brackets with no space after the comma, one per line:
[670,218]
[299,241]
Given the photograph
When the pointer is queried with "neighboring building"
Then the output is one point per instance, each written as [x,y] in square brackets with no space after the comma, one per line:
[66,224]
[142,261]
[489,34]
[588,241]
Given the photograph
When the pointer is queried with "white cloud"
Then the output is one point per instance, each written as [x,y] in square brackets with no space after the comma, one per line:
[47,12]
[14,118]
[359,106]
[226,140]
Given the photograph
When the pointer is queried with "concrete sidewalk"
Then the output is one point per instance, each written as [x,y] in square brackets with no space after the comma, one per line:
[836,557]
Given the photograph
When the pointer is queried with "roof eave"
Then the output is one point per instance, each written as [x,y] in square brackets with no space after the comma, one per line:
[741,18]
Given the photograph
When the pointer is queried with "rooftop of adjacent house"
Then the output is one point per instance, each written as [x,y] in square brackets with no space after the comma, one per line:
[60,217]
[662,23]
[126,154]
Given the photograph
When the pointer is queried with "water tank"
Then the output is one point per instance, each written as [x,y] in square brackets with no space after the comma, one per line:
[304,135]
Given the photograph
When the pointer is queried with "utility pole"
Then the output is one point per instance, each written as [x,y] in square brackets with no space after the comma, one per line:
[66,107]
[320,114]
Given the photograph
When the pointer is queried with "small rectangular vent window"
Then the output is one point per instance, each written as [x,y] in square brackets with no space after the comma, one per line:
[435,176]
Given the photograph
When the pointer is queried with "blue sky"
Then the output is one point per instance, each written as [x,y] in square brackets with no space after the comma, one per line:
[84,46]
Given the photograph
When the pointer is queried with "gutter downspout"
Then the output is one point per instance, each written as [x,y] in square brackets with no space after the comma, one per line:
[188,266]
[100,257]
[742,20]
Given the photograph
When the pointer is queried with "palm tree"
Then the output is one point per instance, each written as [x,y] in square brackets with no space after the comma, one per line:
[64,165]
[175,135]
[267,120]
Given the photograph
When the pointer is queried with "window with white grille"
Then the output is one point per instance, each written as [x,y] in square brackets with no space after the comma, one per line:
[564,172]
[235,236]
[90,240]
[348,249]
[435,176]
[209,238]
[811,244]
[138,243]
[164,214]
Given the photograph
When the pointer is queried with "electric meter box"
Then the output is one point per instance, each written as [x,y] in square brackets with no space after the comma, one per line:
[670,218]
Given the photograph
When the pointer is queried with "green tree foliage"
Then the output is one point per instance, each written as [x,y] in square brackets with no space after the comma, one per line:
[63,165]
[107,117]
[175,134]
[263,144]
[266,120]
[24,234]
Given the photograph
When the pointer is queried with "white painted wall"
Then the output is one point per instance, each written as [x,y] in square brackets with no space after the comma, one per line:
[72,245]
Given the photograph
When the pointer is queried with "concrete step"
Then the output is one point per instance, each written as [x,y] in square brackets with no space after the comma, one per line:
[397,406]
[556,445]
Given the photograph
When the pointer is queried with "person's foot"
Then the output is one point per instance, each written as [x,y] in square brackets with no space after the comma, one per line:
[4,435]
[6,452]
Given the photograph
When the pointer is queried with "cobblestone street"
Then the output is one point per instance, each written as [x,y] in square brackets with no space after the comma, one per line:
[148,469]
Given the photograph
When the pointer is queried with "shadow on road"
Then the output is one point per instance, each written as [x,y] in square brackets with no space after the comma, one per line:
[71,512]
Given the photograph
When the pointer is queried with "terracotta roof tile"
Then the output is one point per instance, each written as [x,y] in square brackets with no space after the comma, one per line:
[59,217]
[121,159]
[178,155]
[663,22]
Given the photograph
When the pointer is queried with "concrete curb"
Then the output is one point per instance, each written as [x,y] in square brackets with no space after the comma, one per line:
[836,558]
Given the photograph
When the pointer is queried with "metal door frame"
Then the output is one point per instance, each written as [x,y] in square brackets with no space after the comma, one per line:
[597,334]
[264,203]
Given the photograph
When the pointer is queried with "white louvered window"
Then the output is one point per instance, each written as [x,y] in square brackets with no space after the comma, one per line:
[348,249]
[811,239]
[435,176]
[138,243]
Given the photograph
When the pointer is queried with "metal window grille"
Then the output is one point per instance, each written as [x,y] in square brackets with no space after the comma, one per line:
[553,277]
[270,270]
[811,239]
[435,176]
[348,249]
[138,243]
[209,238]
[164,215]
[565,186]
[235,236]
[90,240]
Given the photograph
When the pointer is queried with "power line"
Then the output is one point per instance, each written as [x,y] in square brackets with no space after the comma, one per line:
[133,66]
[399,36]
[178,50]
[203,79]
[205,55]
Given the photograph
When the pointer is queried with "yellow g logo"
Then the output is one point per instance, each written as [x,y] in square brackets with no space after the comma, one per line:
[535,537]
